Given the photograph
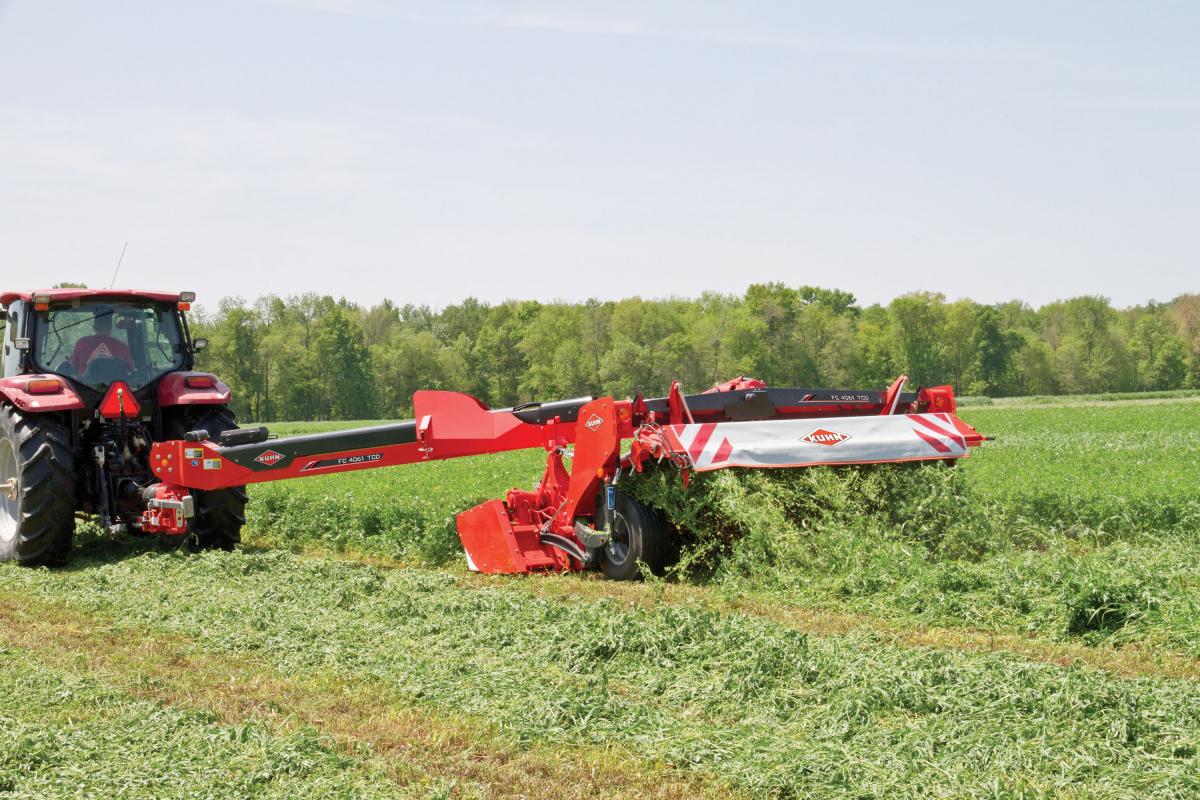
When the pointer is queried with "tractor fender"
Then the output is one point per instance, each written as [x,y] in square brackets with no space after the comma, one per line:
[13,390]
[173,390]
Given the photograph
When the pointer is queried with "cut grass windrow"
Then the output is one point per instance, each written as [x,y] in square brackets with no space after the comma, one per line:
[65,734]
[776,712]
[385,742]
[1129,660]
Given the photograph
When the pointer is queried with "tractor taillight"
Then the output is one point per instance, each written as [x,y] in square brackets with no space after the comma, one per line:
[199,382]
[41,302]
[44,386]
[185,306]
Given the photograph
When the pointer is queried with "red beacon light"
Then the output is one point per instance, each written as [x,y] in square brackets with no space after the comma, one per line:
[119,401]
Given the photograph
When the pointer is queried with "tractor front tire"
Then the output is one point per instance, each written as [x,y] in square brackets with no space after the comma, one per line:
[221,514]
[37,488]
[639,536]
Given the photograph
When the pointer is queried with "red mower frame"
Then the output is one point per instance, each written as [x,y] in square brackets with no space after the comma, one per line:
[563,523]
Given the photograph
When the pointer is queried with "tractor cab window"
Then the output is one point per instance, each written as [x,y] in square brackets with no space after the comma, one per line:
[11,358]
[99,343]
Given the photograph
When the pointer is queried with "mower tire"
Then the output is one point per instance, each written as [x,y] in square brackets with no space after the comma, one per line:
[220,514]
[37,488]
[639,535]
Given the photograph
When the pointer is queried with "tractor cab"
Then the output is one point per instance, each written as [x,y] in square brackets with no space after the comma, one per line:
[91,340]
[95,344]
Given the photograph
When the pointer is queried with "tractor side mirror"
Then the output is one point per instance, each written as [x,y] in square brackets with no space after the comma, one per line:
[200,344]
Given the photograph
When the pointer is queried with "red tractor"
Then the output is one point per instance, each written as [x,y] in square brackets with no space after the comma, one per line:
[90,380]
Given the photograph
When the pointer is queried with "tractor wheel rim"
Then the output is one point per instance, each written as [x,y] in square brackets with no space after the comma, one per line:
[10,505]
[618,543]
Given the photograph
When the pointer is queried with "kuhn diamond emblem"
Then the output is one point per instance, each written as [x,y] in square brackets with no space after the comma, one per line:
[268,457]
[594,422]
[826,437]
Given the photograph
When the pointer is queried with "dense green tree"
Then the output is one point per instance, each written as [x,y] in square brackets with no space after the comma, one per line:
[1185,313]
[497,363]
[992,350]
[1089,350]
[920,346]
[411,360]
[1159,355]
[345,378]
[378,322]
[1034,368]
[314,357]
[235,351]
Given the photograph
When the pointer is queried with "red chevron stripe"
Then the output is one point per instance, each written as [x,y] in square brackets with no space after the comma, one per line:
[723,451]
[932,442]
[954,437]
[702,437]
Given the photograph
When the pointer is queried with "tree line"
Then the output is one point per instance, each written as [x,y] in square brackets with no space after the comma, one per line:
[311,357]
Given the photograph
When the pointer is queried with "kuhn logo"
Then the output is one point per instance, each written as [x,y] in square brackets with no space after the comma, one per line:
[594,422]
[268,457]
[825,436]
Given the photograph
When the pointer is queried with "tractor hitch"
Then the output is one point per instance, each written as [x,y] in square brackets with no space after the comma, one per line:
[168,509]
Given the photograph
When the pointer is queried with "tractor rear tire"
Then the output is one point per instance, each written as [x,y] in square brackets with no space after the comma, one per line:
[221,514]
[639,536]
[37,518]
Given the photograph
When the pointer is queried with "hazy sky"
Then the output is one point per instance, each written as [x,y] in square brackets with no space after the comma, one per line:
[427,152]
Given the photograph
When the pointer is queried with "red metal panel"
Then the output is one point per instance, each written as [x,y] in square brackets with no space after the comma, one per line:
[174,391]
[486,536]
[61,295]
[495,546]
[13,390]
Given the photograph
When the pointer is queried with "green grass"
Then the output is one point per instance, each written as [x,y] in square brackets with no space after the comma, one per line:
[299,428]
[397,512]
[64,734]
[1074,530]
[1078,399]
[402,512]
[1124,469]
[776,712]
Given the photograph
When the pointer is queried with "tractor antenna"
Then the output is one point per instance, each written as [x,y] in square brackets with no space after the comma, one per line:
[118,269]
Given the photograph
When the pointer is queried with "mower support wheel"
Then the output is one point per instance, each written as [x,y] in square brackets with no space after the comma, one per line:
[638,535]
[37,488]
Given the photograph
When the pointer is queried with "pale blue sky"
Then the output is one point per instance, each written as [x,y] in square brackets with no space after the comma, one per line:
[426,152]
